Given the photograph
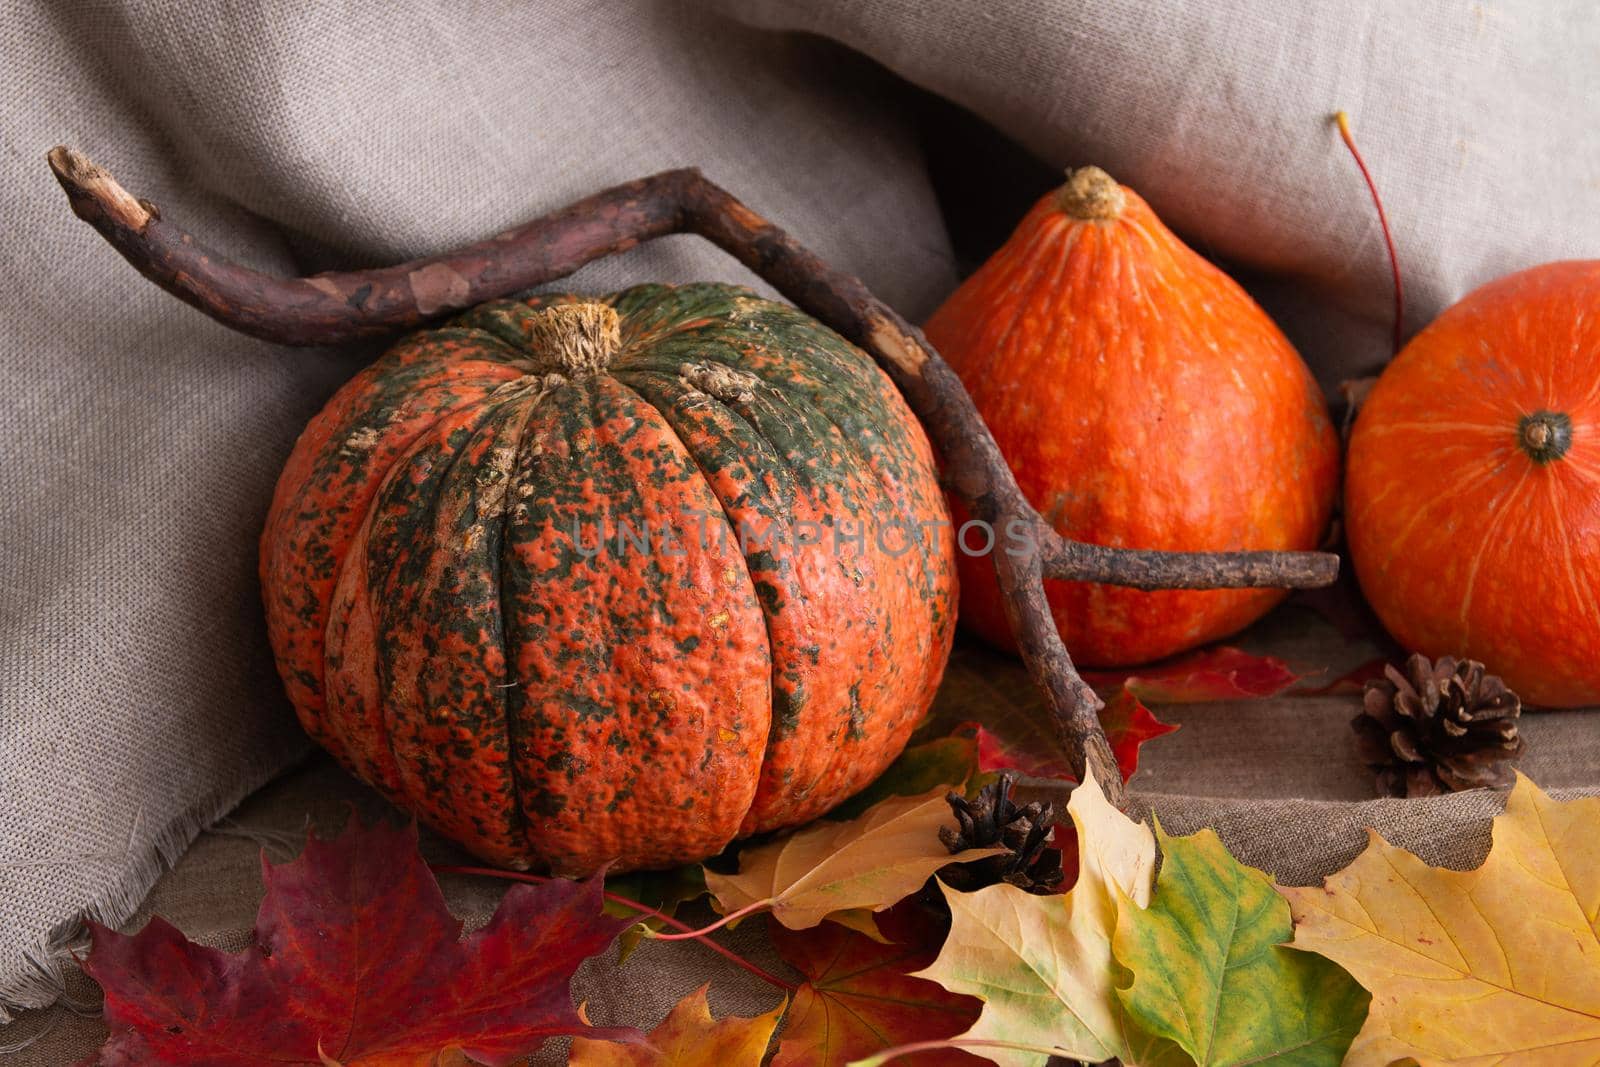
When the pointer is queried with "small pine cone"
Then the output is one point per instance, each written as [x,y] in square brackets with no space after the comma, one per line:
[991,819]
[1439,727]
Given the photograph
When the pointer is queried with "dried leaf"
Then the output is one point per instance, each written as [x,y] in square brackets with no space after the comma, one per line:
[1017,731]
[859,997]
[664,891]
[354,960]
[943,761]
[1027,743]
[1042,964]
[869,862]
[1022,738]
[1207,676]
[1499,965]
[1353,681]
[1209,975]
[1028,750]
[1128,725]
[687,1037]
[862,920]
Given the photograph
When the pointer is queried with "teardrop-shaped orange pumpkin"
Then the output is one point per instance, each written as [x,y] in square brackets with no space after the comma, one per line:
[1472,502]
[1143,400]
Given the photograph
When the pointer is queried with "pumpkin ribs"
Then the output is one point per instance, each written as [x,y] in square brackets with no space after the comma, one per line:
[341,306]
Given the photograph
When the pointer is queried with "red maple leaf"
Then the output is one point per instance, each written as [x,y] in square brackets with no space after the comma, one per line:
[1023,743]
[355,959]
[1353,681]
[859,997]
[1212,674]
[1129,724]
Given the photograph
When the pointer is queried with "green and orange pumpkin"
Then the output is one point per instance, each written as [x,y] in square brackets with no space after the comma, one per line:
[612,579]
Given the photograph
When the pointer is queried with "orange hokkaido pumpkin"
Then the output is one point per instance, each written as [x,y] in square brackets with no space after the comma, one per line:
[1143,400]
[1472,499]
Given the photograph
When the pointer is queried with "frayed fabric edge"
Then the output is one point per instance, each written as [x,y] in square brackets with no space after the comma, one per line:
[42,979]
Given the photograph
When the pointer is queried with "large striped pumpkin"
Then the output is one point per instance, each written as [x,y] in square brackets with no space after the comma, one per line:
[476,606]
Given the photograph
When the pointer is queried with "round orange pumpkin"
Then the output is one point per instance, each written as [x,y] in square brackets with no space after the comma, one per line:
[612,580]
[1472,497]
[1143,400]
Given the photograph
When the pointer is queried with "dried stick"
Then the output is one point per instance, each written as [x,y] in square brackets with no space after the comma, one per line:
[340,306]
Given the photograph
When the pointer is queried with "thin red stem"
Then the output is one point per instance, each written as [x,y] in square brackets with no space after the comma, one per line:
[1343,121]
[627,902]
[719,924]
[898,1051]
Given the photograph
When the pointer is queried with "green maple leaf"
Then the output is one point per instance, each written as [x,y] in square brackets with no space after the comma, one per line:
[1043,965]
[1212,982]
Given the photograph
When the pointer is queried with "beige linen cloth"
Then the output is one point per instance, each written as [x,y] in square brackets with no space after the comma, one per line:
[140,440]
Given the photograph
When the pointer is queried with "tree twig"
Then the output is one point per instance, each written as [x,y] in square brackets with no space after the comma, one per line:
[341,306]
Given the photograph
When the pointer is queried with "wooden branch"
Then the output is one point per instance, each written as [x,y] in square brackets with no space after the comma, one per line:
[333,307]
[1151,569]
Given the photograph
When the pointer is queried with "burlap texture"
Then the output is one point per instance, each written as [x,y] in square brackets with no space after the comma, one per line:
[137,696]
[137,699]
[1476,115]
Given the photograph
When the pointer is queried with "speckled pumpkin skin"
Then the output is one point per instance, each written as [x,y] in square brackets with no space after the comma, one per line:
[443,632]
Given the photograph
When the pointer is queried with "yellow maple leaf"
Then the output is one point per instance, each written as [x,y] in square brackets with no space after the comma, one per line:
[1043,964]
[1498,965]
[687,1037]
[870,862]
[861,921]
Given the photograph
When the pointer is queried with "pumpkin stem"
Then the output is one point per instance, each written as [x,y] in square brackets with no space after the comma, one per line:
[334,307]
[1091,193]
[577,340]
[1545,435]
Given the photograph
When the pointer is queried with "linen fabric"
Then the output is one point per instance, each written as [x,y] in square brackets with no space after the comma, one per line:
[138,703]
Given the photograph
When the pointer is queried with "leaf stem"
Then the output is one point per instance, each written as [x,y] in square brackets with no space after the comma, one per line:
[628,902]
[957,1043]
[732,916]
[1342,120]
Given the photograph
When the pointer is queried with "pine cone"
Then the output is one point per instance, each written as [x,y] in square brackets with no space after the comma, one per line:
[1438,728]
[991,820]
